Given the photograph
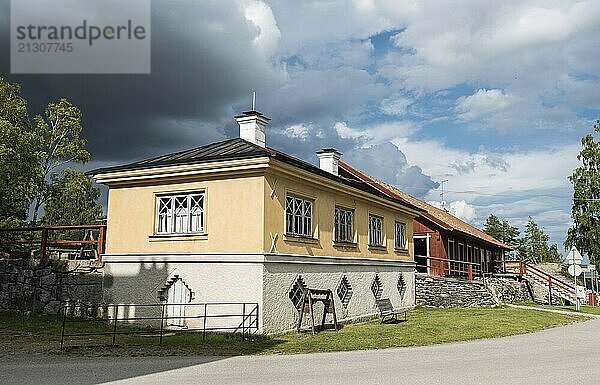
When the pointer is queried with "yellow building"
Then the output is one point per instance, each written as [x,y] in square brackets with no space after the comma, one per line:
[238,222]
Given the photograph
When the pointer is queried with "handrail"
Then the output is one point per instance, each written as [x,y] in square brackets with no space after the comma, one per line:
[45,242]
[549,277]
[464,267]
[37,228]
[524,267]
[448,260]
[554,278]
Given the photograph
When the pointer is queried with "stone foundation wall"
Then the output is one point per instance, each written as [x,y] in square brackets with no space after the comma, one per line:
[508,290]
[450,292]
[33,287]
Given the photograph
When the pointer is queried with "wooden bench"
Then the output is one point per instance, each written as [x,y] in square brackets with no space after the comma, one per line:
[386,309]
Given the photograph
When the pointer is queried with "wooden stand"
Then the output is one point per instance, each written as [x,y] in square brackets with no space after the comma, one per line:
[309,298]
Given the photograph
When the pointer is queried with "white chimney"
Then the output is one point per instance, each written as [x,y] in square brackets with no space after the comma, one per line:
[252,127]
[329,159]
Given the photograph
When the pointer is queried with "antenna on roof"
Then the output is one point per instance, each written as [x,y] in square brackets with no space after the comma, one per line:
[253,100]
[442,194]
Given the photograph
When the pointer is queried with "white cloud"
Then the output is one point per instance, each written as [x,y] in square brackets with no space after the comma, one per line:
[482,103]
[298,131]
[386,162]
[460,209]
[268,36]
[463,210]
[512,185]
[377,133]
[395,106]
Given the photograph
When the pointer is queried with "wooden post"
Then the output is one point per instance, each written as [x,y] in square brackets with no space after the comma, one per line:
[43,244]
[333,311]
[549,290]
[101,242]
[312,314]
[470,272]
[301,314]
[521,268]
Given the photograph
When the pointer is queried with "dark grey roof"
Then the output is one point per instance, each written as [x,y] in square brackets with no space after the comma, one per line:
[226,150]
[241,149]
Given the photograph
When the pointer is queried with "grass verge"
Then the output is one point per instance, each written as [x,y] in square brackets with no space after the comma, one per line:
[582,309]
[425,326]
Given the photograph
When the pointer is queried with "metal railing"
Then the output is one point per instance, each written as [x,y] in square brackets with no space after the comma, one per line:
[443,267]
[232,317]
[39,239]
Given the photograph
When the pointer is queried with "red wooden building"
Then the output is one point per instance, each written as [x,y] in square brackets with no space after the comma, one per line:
[444,245]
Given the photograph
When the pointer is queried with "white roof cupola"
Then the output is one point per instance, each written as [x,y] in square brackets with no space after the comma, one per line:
[252,127]
[329,159]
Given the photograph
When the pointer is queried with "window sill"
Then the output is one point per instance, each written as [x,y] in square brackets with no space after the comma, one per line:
[178,237]
[378,247]
[300,239]
[401,251]
[344,244]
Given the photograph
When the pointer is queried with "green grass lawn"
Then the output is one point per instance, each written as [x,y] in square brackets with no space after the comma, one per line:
[425,326]
[582,309]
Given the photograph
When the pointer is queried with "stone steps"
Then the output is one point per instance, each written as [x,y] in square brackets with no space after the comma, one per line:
[556,290]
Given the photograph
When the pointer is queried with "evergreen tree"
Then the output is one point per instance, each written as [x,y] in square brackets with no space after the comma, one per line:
[535,246]
[502,231]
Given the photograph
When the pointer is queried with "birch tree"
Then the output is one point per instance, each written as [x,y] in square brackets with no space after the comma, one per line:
[59,142]
[585,233]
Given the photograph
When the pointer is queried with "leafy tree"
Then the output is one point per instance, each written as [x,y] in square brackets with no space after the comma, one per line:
[32,151]
[72,200]
[18,158]
[585,233]
[59,141]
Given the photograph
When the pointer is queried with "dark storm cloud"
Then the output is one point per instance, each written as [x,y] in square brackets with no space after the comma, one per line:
[203,62]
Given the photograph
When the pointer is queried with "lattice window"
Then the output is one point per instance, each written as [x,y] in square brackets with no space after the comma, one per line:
[375,230]
[344,231]
[297,292]
[344,291]
[298,213]
[401,285]
[400,236]
[377,287]
[180,214]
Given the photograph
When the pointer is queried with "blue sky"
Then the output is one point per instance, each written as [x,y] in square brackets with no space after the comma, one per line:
[491,96]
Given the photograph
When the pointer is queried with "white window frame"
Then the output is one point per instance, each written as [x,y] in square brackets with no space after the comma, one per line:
[400,236]
[180,213]
[451,253]
[299,214]
[343,225]
[375,230]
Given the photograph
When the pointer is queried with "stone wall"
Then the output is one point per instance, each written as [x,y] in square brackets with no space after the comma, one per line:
[33,287]
[508,290]
[450,292]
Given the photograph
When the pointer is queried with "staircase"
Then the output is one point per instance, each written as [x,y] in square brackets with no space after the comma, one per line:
[556,287]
